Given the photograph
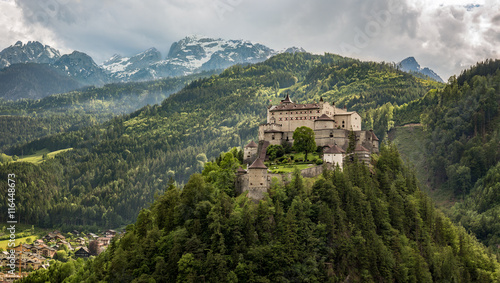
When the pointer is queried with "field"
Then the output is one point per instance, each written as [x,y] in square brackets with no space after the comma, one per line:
[4,243]
[38,156]
[288,168]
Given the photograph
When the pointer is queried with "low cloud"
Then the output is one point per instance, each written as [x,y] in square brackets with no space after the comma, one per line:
[443,36]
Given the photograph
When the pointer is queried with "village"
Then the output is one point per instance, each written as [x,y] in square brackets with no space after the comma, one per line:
[53,246]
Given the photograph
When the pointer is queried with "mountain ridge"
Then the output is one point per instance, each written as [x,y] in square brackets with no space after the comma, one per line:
[190,55]
[411,65]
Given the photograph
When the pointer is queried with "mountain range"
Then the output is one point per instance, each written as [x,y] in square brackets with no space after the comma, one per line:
[193,54]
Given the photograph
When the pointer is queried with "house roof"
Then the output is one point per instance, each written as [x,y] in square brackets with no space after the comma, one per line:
[241,170]
[324,117]
[83,248]
[334,149]
[287,99]
[374,137]
[257,164]
[361,148]
[293,106]
[251,144]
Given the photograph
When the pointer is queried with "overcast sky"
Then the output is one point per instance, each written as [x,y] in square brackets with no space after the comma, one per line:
[445,35]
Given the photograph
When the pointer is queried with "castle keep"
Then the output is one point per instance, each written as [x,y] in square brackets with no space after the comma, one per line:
[331,126]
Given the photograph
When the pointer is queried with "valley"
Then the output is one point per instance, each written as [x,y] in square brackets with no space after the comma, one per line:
[106,157]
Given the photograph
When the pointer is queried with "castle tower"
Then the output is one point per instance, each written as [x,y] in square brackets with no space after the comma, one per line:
[250,152]
[287,100]
[257,180]
[324,122]
[362,153]
[374,140]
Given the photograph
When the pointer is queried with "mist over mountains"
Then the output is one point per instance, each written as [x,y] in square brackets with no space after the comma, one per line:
[192,54]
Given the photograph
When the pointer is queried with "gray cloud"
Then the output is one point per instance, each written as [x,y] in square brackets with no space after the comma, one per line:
[445,38]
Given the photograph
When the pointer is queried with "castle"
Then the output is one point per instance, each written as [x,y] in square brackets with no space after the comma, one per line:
[331,126]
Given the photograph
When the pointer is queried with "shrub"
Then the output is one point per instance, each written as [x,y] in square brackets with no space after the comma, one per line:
[319,161]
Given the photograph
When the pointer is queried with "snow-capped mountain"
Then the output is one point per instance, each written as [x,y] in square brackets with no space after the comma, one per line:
[189,55]
[125,68]
[293,49]
[32,52]
[411,65]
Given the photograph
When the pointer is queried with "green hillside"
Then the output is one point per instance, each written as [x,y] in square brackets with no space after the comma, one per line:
[116,168]
[351,226]
[460,142]
[25,120]
[33,81]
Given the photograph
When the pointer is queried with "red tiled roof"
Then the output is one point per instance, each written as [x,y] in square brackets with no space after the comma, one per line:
[251,144]
[334,149]
[287,100]
[324,117]
[361,148]
[257,164]
[293,106]
[272,131]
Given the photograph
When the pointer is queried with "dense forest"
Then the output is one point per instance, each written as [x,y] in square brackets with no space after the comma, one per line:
[461,126]
[116,168]
[355,225]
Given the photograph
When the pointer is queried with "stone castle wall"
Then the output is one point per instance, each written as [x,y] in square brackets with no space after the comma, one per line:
[256,191]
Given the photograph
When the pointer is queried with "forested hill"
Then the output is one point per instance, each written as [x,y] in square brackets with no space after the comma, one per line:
[358,225]
[117,168]
[25,120]
[461,126]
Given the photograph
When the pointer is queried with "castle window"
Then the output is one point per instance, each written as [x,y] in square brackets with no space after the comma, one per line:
[273,137]
[280,119]
[251,184]
[261,184]
[272,113]
[331,134]
[281,113]
[318,111]
[310,112]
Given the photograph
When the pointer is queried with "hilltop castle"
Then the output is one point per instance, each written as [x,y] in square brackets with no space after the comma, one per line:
[331,126]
